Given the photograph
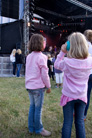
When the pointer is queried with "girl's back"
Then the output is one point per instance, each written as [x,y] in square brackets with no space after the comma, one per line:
[76,73]
[36,71]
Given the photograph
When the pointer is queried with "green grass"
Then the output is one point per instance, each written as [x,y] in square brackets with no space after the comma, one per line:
[14,106]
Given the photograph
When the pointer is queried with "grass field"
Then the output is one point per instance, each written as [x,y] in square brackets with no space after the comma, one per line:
[14,106]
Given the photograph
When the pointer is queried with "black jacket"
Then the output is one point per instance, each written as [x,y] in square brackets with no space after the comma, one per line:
[18,58]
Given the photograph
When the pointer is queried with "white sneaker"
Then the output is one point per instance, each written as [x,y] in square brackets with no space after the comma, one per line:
[14,75]
[45,133]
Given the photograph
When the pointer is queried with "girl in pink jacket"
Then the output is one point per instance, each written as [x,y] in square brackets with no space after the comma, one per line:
[36,79]
[76,67]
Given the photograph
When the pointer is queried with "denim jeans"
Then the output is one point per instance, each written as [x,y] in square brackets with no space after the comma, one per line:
[14,68]
[88,94]
[35,111]
[78,107]
[18,69]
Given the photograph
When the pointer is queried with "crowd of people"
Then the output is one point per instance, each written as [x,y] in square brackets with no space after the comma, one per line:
[72,71]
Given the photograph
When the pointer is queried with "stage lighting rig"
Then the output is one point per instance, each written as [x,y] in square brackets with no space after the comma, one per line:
[32,28]
[31,5]
[80,4]
[31,10]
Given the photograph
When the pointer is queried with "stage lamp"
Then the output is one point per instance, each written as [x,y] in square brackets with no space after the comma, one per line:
[32,28]
[31,5]
[42,22]
[31,16]
[28,24]
[32,8]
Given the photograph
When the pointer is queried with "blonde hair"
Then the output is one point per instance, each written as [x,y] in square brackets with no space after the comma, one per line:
[88,34]
[19,51]
[49,56]
[14,52]
[78,46]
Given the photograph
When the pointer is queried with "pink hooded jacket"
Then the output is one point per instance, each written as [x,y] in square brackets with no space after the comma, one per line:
[36,76]
[76,74]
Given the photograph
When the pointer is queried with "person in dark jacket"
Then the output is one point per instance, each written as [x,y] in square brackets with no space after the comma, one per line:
[49,64]
[18,57]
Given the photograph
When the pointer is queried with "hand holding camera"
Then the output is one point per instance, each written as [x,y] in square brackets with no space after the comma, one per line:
[68,45]
[65,47]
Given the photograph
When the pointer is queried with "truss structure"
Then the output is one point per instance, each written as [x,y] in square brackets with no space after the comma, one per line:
[28,24]
[25,27]
[80,4]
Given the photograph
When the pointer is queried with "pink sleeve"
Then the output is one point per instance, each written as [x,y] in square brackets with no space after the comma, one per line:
[44,72]
[59,63]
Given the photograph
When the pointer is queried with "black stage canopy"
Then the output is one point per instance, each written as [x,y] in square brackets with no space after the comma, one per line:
[62,10]
[62,17]
[65,12]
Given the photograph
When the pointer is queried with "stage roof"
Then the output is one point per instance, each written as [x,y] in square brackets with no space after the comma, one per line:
[62,11]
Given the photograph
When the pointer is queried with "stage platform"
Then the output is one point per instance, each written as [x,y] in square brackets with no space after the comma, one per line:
[6,67]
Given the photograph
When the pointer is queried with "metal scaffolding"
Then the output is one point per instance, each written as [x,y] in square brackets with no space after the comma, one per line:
[28,24]
[26,27]
[80,4]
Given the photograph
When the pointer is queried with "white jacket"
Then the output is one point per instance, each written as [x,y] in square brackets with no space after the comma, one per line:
[12,58]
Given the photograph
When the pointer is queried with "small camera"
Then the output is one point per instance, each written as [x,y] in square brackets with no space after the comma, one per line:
[68,45]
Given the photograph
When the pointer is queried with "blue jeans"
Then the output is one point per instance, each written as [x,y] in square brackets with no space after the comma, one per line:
[78,107]
[14,68]
[35,111]
[18,69]
[88,94]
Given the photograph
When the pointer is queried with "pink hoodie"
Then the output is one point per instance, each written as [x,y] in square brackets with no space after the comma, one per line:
[36,71]
[76,74]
